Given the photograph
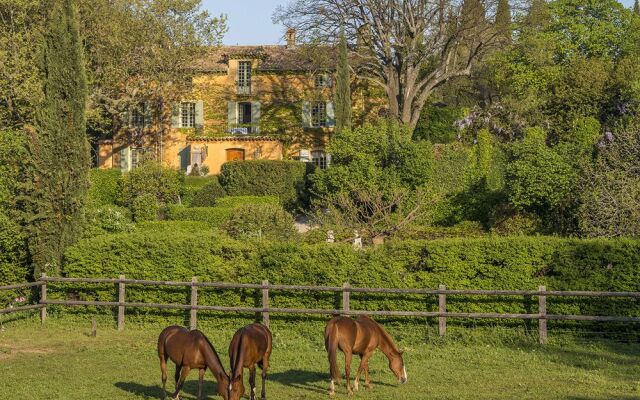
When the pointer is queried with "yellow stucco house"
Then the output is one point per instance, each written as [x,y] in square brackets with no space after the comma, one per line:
[247,103]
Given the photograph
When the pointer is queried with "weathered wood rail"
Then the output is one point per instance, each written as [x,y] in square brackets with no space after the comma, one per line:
[265,287]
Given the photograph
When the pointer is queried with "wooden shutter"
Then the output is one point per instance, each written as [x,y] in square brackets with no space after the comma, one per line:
[232,113]
[175,115]
[125,159]
[306,114]
[331,114]
[255,116]
[185,158]
[199,114]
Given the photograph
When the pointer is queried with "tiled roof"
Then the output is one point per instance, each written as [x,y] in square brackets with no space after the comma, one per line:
[272,58]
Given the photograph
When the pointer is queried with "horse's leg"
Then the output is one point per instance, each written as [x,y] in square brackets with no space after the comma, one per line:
[252,381]
[365,366]
[356,380]
[265,366]
[163,370]
[347,370]
[200,382]
[181,379]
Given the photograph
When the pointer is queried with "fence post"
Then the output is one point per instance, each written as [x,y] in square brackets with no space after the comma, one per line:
[345,298]
[442,308]
[193,320]
[542,310]
[265,304]
[121,300]
[43,298]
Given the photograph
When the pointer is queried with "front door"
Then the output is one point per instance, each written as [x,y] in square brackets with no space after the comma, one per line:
[235,154]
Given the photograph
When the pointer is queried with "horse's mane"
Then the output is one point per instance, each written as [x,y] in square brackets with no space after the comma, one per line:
[237,359]
[387,338]
[213,350]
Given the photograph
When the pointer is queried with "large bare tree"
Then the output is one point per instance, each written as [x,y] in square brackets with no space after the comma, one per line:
[408,47]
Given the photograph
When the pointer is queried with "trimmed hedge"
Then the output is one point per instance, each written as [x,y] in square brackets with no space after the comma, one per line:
[521,263]
[192,186]
[285,179]
[208,195]
[103,186]
[218,215]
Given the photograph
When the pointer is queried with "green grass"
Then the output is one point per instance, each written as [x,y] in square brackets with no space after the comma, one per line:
[63,362]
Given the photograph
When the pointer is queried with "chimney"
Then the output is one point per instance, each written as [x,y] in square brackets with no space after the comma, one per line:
[291,37]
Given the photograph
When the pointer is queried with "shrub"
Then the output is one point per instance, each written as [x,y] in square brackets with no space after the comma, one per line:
[192,185]
[152,178]
[145,208]
[13,259]
[208,194]
[214,217]
[482,263]
[283,179]
[103,187]
[235,201]
[437,123]
[268,221]
[107,219]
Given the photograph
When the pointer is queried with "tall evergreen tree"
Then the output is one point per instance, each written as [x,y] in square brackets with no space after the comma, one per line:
[59,145]
[538,16]
[343,87]
[636,7]
[503,20]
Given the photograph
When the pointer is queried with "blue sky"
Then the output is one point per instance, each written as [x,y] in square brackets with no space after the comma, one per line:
[250,20]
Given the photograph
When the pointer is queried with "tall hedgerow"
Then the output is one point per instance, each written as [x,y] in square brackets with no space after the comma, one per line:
[343,87]
[59,146]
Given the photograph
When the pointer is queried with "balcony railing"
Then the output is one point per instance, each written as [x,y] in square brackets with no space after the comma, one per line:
[244,90]
[243,129]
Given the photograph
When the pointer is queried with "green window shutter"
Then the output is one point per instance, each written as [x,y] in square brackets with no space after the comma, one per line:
[199,114]
[185,158]
[232,113]
[306,114]
[125,159]
[175,115]
[255,116]
[331,114]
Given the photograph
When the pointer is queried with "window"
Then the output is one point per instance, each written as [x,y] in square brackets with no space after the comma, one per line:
[139,117]
[323,80]
[187,115]
[141,154]
[244,77]
[319,158]
[318,114]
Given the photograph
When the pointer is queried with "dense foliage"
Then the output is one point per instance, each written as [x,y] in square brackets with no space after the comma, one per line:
[261,221]
[207,195]
[151,178]
[104,185]
[219,214]
[59,146]
[285,179]
[490,263]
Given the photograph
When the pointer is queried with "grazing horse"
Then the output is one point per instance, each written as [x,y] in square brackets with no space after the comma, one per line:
[188,350]
[250,345]
[362,337]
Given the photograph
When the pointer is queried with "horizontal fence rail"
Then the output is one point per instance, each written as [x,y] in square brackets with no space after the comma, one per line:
[265,287]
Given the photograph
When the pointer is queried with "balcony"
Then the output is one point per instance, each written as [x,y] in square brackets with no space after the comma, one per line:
[243,129]
[243,90]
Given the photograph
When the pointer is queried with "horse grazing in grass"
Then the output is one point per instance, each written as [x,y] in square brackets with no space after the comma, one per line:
[362,337]
[189,350]
[250,345]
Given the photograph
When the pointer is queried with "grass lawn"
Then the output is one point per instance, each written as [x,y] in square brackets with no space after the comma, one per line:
[64,362]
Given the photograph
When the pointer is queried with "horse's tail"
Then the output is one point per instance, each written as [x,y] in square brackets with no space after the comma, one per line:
[331,345]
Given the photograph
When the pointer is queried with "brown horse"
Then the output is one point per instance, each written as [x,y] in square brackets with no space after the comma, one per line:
[189,350]
[250,345]
[362,337]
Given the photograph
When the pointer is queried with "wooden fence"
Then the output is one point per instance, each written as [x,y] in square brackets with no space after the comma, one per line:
[265,287]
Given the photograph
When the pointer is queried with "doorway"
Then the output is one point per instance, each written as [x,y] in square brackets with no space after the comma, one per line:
[235,154]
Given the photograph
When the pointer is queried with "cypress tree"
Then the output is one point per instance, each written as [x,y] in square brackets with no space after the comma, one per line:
[59,146]
[538,16]
[343,87]
[503,20]
[636,7]
[473,16]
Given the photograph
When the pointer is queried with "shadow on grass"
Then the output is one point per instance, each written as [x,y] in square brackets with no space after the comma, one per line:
[309,380]
[190,388]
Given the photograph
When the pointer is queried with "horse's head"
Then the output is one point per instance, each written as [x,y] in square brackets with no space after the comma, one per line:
[396,364]
[223,387]
[236,388]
